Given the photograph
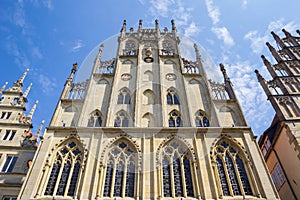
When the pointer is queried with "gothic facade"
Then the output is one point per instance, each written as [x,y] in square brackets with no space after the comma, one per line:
[148,124]
[17,143]
[280,143]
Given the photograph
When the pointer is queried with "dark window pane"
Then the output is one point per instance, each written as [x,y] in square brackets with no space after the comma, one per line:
[91,122]
[188,178]
[171,122]
[125,122]
[127,99]
[176,99]
[243,175]
[63,179]
[169,99]
[119,180]
[108,180]
[52,179]
[129,190]
[74,179]
[232,176]
[98,122]
[177,178]
[222,177]
[166,178]
[120,98]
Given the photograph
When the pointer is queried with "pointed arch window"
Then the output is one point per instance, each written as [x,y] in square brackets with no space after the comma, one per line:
[121,120]
[65,171]
[124,96]
[175,119]
[201,119]
[120,171]
[172,97]
[231,170]
[176,171]
[95,119]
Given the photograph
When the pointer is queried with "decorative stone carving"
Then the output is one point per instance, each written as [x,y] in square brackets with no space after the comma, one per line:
[126,77]
[171,77]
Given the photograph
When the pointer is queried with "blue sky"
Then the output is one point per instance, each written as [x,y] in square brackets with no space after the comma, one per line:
[48,36]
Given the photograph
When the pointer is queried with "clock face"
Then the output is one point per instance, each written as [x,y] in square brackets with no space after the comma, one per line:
[171,77]
[126,77]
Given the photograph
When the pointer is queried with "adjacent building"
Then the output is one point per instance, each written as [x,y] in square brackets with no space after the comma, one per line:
[148,124]
[280,143]
[17,143]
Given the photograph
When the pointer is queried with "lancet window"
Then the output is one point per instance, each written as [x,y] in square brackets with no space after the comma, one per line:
[172,97]
[177,170]
[232,170]
[65,170]
[175,119]
[95,119]
[124,96]
[121,120]
[201,119]
[120,170]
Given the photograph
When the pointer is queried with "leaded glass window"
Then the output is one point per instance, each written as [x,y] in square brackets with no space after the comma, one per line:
[175,119]
[121,120]
[65,170]
[175,178]
[124,97]
[232,174]
[172,97]
[201,119]
[120,171]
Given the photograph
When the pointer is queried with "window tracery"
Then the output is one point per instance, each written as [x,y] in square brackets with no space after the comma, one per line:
[201,119]
[95,119]
[167,49]
[175,119]
[124,96]
[65,171]
[121,120]
[120,171]
[218,91]
[130,49]
[231,170]
[172,97]
[176,170]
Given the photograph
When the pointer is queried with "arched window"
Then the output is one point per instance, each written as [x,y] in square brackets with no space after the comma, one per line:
[95,119]
[231,170]
[201,119]
[124,96]
[176,170]
[121,120]
[65,170]
[175,119]
[120,170]
[172,97]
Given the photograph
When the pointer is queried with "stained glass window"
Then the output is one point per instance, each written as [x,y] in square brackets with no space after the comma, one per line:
[231,170]
[68,159]
[173,180]
[201,119]
[172,97]
[119,154]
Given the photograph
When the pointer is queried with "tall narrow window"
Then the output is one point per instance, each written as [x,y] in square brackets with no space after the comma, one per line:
[231,171]
[201,119]
[95,119]
[172,97]
[121,120]
[175,119]
[174,156]
[124,97]
[120,171]
[9,164]
[65,170]
[9,134]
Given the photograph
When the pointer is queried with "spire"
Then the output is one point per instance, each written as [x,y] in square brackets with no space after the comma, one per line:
[227,82]
[98,59]
[32,110]
[38,132]
[3,87]
[27,91]
[140,25]
[19,83]
[263,83]
[274,52]
[290,37]
[278,40]
[269,66]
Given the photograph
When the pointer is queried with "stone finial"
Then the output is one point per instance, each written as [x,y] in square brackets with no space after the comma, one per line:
[156,23]
[3,87]
[287,34]
[124,26]
[140,24]
[298,31]
[40,129]
[32,110]
[19,83]
[277,39]
[223,70]
[27,90]
[173,24]
[274,52]
[259,77]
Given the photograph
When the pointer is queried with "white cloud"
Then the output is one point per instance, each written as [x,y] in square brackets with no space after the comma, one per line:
[222,33]
[244,4]
[257,41]
[78,45]
[48,85]
[213,11]
[161,7]
[36,53]
[191,30]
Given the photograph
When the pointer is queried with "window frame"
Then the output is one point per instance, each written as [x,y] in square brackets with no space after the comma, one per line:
[8,166]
